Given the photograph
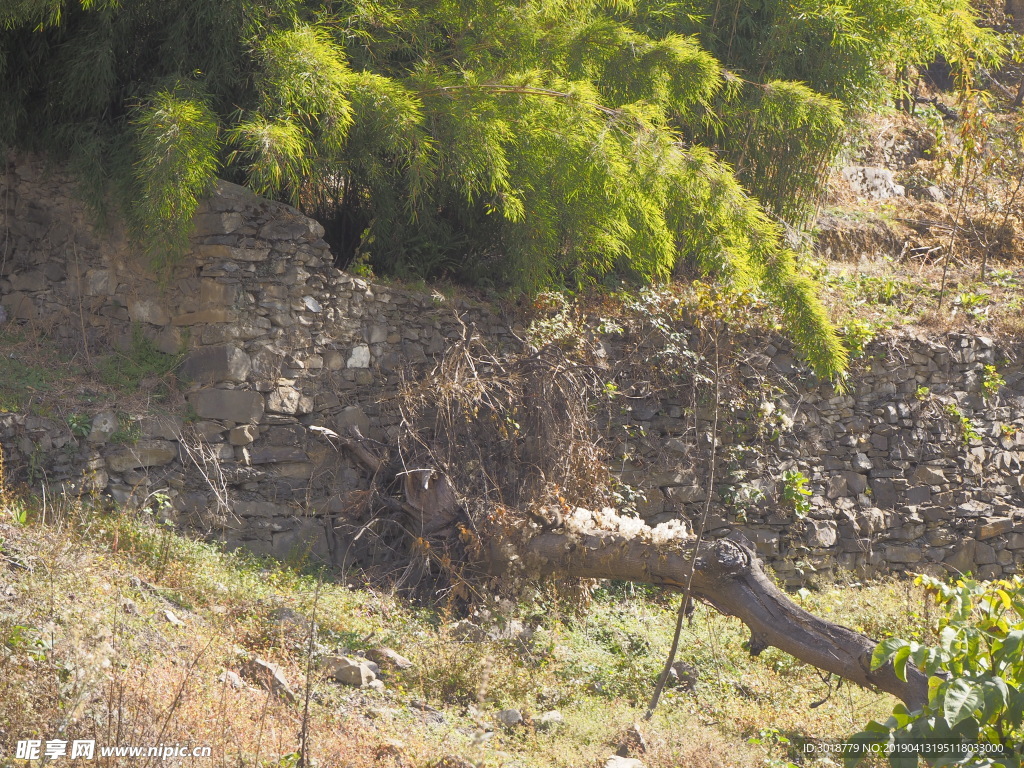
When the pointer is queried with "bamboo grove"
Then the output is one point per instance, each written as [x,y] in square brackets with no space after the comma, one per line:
[517,143]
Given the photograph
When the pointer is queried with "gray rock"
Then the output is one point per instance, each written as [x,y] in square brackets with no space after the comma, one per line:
[550,721]
[622,762]
[243,435]
[145,453]
[821,533]
[360,357]
[961,560]
[104,424]
[213,365]
[683,675]
[286,399]
[231,679]
[352,415]
[269,677]
[862,463]
[990,527]
[349,671]
[509,718]
[927,475]
[389,657]
[234,405]
[470,632]
[873,183]
[147,310]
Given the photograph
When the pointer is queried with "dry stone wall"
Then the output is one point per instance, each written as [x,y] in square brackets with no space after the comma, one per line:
[275,340]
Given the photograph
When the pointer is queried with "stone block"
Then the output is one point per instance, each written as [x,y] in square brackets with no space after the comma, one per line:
[917,495]
[104,424]
[289,400]
[856,483]
[169,340]
[685,494]
[989,571]
[289,227]
[145,453]
[276,454]
[990,527]
[19,306]
[163,426]
[213,365]
[354,416]
[984,554]
[334,360]
[883,491]
[903,554]
[765,541]
[217,252]
[821,533]
[243,435]
[208,224]
[29,282]
[861,462]
[837,487]
[928,475]
[237,405]
[264,509]
[205,316]
[147,310]
[360,357]
[871,521]
[349,671]
[961,559]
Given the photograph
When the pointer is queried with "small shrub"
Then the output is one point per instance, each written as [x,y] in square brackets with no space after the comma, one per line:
[795,493]
[976,675]
[79,424]
[968,433]
[991,382]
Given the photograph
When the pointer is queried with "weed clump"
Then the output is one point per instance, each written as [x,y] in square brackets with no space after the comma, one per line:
[126,371]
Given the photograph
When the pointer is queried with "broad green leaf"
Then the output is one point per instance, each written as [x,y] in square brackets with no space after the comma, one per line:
[899,662]
[885,651]
[962,698]
[996,695]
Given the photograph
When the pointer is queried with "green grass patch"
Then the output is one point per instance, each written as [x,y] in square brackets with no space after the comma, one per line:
[125,371]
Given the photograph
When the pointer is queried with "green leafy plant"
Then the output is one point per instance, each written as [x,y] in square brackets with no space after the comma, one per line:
[79,424]
[922,393]
[857,334]
[968,432]
[795,493]
[975,679]
[974,305]
[991,382]
[128,431]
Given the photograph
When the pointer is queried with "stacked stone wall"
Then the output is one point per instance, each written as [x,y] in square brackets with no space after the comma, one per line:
[275,340]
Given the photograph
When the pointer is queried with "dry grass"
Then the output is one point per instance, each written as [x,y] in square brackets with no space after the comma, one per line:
[87,651]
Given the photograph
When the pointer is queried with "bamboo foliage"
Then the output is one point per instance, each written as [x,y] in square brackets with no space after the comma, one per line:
[527,144]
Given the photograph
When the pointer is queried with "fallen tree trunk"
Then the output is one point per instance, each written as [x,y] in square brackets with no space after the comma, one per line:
[725,574]
[729,577]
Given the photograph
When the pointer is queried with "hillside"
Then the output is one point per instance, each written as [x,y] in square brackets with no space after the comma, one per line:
[376,376]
